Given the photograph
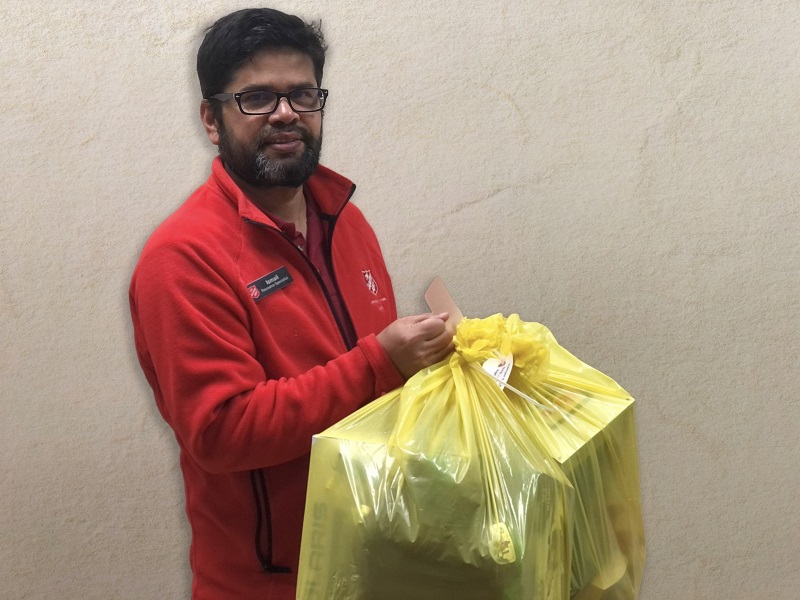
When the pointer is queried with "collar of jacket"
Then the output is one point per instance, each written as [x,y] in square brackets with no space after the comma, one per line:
[330,190]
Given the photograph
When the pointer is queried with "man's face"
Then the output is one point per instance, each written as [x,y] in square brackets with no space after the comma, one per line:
[278,149]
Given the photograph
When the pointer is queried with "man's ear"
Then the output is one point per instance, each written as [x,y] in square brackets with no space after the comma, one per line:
[209,122]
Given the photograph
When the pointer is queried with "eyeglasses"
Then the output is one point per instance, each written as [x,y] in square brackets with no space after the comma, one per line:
[264,102]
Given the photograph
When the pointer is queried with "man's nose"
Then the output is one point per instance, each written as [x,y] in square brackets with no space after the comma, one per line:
[283,113]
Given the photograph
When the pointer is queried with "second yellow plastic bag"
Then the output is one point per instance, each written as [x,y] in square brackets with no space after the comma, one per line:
[584,420]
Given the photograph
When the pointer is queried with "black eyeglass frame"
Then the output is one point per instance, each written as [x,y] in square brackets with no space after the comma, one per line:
[225,96]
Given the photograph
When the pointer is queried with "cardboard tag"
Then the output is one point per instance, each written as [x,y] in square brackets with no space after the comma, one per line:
[440,301]
[500,368]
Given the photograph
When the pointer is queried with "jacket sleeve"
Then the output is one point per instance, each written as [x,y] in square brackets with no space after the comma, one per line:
[192,335]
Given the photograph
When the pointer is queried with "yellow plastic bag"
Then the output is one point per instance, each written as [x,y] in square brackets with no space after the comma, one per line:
[436,490]
[454,486]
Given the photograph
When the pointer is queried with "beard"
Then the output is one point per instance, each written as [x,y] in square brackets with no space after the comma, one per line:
[251,163]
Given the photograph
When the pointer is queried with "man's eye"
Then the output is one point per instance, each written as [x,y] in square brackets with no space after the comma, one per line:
[305,97]
[258,98]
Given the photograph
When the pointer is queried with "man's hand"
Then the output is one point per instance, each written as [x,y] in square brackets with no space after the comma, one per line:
[416,342]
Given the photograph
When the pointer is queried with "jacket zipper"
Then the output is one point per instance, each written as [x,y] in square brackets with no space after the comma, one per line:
[258,480]
[333,220]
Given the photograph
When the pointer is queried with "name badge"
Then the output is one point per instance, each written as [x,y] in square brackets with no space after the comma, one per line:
[269,283]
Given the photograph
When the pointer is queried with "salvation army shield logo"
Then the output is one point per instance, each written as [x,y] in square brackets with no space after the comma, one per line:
[253,289]
[372,285]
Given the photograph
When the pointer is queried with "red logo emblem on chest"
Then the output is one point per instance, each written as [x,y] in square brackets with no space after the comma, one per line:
[372,285]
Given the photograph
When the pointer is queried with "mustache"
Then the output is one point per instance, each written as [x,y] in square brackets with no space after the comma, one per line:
[266,135]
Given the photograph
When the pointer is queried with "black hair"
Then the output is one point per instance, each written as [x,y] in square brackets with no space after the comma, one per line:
[237,37]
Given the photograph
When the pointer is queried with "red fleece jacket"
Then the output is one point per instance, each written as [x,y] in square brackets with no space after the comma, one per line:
[237,338]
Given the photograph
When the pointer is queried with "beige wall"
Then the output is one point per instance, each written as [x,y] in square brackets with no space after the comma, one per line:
[623,172]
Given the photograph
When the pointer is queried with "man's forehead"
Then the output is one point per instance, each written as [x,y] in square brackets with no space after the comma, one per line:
[276,66]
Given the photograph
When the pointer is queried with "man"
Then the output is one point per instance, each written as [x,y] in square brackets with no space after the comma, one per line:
[262,308]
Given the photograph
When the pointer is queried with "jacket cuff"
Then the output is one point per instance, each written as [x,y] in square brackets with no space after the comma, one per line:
[387,377]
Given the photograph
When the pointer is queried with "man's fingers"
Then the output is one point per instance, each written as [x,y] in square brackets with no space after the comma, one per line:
[442,339]
[441,355]
[417,341]
[416,319]
[431,327]
[440,352]
[439,346]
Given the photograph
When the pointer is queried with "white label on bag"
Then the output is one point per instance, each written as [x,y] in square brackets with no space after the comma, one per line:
[500,368]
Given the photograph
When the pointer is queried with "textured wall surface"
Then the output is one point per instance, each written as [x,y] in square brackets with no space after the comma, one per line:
[624,172]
